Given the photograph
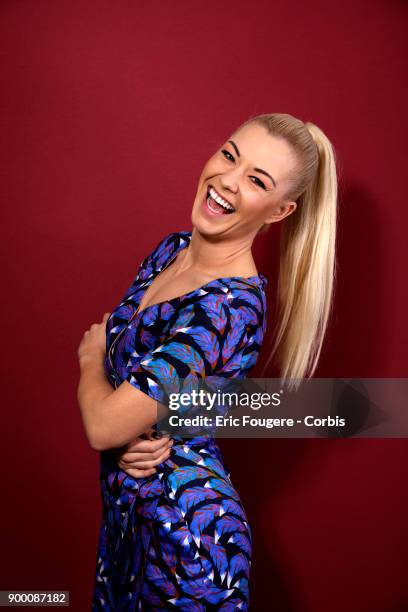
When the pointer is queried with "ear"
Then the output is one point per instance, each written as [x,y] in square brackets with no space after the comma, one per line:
[282,211]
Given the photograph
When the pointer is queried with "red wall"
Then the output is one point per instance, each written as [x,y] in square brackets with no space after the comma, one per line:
[109,111]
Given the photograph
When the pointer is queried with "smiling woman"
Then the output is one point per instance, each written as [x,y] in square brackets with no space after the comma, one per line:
[179,537]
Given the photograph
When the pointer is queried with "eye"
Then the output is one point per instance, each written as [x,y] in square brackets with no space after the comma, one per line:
[226,153]
[260,183]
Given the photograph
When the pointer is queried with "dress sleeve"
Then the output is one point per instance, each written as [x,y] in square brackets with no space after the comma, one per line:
[206,338]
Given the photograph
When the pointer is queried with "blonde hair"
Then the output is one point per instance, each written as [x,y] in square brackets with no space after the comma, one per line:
[307,265]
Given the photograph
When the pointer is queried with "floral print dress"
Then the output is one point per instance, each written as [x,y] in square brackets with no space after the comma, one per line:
[178,539]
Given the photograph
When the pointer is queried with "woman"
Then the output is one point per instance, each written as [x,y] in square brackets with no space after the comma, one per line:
[174,533]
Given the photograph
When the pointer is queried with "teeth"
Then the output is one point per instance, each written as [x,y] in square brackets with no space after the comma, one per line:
[220,200]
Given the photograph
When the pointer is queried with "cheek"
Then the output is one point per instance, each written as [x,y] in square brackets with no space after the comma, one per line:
[253,203]
[213,167]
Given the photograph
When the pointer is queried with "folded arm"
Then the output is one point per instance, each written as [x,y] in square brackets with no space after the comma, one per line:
[194,346]
[113,418]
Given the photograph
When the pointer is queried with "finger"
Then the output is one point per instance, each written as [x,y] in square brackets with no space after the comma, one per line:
[140,473]
[147,459]
[151,434]
[145,463]
[148,446]
[149,452]
[106,316]
[140,468]
[145,446]
[147,435]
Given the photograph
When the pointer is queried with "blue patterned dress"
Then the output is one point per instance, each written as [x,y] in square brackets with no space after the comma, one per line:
[178,539]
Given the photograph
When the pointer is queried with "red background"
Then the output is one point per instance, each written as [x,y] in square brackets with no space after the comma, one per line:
[109,112]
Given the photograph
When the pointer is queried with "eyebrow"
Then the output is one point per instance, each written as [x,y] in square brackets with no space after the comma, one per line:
[257,169]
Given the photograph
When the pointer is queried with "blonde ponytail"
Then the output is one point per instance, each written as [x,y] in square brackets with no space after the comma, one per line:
[307,265]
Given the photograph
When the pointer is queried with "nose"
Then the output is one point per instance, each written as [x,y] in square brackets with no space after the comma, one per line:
[229,181]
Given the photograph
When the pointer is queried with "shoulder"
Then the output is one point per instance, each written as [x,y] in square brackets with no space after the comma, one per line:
[224,304]
[249,298]
[163,251]
[238,313]
[225,323]
[243,298]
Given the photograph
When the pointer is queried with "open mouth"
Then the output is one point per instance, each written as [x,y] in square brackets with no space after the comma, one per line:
[217,204]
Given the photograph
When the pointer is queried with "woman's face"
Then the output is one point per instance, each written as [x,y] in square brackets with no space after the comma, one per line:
[250,172]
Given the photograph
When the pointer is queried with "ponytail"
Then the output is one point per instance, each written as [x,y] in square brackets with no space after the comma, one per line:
[307,264]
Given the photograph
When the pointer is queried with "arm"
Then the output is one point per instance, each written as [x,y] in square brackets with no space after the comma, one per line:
[100,405]
[204,334]
[113,418]
[93,388]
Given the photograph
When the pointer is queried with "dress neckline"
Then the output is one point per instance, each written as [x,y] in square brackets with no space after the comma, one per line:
[186,235]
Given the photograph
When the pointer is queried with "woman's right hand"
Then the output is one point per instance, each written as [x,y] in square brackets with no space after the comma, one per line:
[139,456]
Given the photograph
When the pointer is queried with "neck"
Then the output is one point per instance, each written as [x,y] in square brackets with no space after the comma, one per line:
[222,258]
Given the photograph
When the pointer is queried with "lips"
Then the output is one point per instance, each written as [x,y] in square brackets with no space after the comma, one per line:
[208,210]
[217,207]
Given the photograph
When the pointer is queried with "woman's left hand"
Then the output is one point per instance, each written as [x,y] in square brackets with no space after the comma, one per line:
[93,343]
[139,457]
